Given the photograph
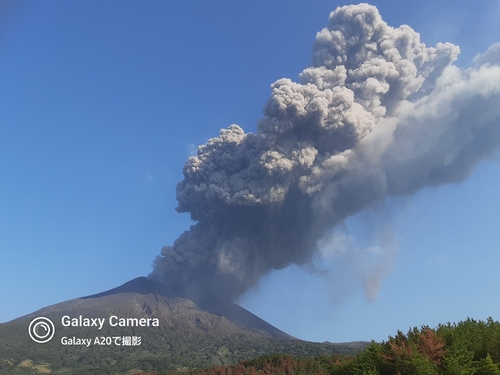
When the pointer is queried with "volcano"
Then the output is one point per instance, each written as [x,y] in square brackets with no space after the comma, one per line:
[93,335]
[145,297]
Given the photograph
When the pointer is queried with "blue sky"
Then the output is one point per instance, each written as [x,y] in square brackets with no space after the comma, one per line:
[101,102]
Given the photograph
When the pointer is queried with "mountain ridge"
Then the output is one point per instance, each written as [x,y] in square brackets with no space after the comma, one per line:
[145,287]
[187,336]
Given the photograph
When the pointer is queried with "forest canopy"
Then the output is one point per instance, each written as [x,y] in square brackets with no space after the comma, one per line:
[469,347]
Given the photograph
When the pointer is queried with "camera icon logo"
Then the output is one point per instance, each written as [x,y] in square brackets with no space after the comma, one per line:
[41,330]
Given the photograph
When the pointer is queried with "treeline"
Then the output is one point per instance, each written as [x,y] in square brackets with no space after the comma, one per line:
[467,348]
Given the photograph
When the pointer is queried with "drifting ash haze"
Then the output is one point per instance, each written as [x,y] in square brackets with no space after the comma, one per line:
[377,114]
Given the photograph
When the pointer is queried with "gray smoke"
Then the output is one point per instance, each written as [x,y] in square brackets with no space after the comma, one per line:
[377,114]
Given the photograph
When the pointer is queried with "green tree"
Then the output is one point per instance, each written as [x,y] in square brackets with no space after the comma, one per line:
[459,361]
[486,366]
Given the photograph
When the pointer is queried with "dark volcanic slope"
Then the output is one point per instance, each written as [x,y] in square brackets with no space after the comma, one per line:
[142,297]
[187,336]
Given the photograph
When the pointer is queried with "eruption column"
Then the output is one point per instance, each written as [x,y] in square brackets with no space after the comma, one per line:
[378,113]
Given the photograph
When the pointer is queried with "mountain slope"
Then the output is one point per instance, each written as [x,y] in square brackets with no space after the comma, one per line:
[185,336]
[144,297]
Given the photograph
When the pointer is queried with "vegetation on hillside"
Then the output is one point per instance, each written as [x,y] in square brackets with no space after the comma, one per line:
[163,349]
[468,348]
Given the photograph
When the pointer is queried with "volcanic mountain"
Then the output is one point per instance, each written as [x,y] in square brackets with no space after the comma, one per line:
[114,332]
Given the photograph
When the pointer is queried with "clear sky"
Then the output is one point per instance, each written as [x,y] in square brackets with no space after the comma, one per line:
[101,102]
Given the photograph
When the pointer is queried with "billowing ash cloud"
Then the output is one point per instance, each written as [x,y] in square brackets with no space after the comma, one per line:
[376,114]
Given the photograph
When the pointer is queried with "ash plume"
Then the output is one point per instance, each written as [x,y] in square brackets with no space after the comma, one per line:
[377,114]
